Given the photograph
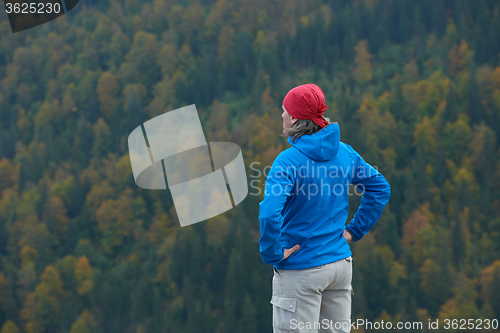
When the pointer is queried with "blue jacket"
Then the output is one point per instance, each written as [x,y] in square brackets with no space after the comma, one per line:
[306,201]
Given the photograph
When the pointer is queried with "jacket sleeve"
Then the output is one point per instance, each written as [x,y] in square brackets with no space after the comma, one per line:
[279,184]
[376,192]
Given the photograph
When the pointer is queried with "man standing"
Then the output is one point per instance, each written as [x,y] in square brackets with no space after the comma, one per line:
[302,218]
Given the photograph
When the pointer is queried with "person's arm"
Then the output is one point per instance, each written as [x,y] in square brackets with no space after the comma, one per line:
[279,184]
[376,192]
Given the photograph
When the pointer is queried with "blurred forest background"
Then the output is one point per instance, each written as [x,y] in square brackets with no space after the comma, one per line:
[414,85]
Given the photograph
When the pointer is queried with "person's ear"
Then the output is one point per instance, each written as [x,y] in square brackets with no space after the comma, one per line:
[294,120]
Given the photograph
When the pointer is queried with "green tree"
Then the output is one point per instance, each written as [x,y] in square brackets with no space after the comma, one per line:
[102,139]
[114,218]
[42,309]
[456,138]
[84,324]
[9,327]
[363,71]
[107,92]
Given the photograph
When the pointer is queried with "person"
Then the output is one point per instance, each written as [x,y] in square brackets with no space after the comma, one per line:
[303,214]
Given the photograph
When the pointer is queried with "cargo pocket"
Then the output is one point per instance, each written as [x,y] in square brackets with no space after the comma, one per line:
[283,311]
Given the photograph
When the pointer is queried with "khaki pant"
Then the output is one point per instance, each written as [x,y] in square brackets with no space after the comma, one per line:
[313,300]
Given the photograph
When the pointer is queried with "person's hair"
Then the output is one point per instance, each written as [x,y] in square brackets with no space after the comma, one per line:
[304,127]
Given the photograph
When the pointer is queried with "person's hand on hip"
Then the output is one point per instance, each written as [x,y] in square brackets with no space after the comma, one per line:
[288,252]
[347,236]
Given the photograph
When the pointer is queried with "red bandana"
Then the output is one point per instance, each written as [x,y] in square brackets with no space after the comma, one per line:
[306,102]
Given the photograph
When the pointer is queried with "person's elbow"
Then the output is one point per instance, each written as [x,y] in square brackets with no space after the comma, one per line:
[380,192]
[270,261]
[387,191]
[269,254]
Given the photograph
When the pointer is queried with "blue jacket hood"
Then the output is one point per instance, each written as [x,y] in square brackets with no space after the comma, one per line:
[320,146]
